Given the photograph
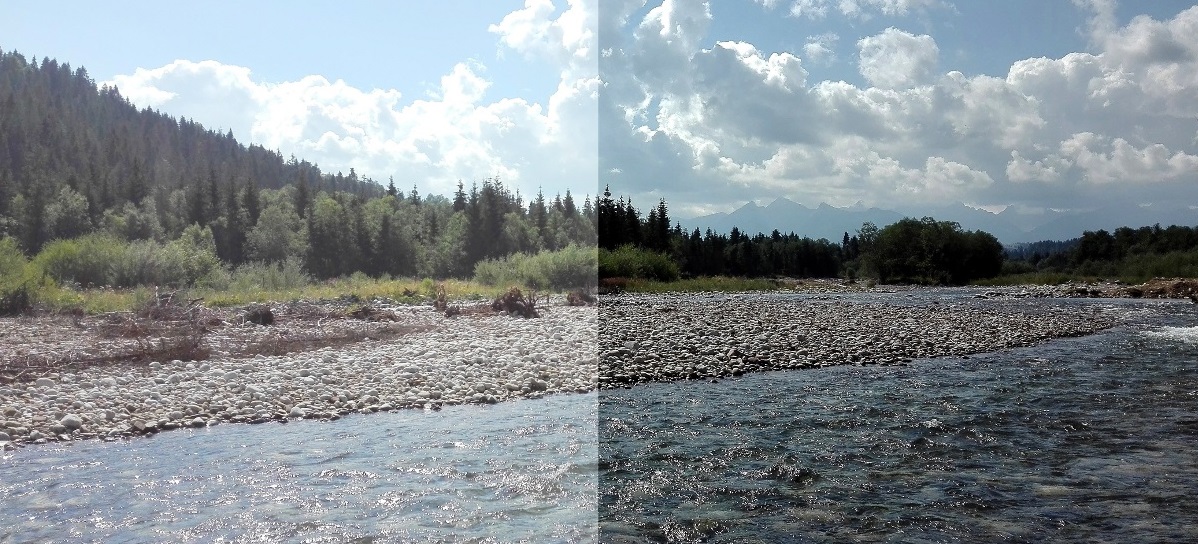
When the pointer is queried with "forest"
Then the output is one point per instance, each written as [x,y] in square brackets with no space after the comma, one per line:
[1132,255]
[95,192]
[922,251]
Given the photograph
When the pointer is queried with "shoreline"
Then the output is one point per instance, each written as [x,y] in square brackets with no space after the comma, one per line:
[435,361]
[662,338]
[418,358]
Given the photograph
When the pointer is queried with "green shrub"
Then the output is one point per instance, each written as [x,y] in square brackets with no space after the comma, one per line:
[19,282]
[284,275]
[631,262]
[87,261]
[570,267]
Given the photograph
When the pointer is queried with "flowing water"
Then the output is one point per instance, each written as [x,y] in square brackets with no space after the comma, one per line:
[513,472]
[1091,439]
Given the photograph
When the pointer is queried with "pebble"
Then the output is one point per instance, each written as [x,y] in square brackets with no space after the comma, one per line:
[714,335]
[466,359]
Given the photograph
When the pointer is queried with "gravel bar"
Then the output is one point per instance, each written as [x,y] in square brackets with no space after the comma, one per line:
[466,359]
[653,338]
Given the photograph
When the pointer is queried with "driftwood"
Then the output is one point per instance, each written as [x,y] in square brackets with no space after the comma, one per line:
[367,312]
[580,298]
[260,315]
[513,302]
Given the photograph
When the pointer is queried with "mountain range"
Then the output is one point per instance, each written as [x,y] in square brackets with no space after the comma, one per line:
[1009,226]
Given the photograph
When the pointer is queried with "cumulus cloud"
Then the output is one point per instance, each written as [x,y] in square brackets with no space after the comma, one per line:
[453,134]
[724,122]
[896,59]
[855,9]
[819,48]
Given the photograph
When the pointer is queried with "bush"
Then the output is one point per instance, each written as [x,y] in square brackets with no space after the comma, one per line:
[571,267]
[631,262]
[19,285]
[87,261]
[284,275]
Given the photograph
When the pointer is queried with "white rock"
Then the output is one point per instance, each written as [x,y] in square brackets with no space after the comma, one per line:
[71,421]
[44,382]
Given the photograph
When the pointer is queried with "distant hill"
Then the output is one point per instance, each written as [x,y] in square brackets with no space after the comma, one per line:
[829,222]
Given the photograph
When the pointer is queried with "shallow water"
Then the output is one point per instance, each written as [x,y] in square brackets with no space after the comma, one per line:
[1091,439]
[511,472]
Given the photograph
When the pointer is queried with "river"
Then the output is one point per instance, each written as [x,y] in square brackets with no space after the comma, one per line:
[520,471]
[1089,439]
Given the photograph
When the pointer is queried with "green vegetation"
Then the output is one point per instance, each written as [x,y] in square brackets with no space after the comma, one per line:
[633,262]
[568,268]
[927,251]
[1130,255]
[922,251]
[96,195]
[723,284]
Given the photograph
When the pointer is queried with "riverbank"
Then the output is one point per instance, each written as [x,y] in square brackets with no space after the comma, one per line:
[396,357]
[647,338]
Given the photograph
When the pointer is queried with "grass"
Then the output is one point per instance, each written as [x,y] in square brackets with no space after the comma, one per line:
[103,300]
[692,285]
[401,290]
[1029,278]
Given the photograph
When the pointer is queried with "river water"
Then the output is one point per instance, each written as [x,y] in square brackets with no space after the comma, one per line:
[1091,439]
[513,472]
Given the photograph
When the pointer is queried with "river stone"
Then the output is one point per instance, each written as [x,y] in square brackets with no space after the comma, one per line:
[4,437]
[71,421]
[44,382]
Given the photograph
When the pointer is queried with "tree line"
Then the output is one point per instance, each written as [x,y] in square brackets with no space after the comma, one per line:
[1133,253]
[81,167]
[911,250]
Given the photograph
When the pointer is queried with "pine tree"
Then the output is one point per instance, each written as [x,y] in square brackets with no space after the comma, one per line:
[302,197]
[252,202]
[459,198]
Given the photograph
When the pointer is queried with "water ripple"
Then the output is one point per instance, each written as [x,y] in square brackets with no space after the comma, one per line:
[1086,439]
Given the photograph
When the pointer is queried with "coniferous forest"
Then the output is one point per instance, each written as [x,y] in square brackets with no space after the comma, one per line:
[924,251]
[99,192]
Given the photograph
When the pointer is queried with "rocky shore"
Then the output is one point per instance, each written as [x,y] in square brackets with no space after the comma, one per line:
[424,360]
[646,338]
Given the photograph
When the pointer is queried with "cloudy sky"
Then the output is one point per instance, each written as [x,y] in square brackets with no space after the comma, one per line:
[427,92]
[1025,103]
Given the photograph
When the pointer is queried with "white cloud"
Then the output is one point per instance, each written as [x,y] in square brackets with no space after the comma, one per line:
[454,134]
[819,48]
[1106,160]
[897,59]
[725,121]
[855,9]
[1048,169]
[812,9]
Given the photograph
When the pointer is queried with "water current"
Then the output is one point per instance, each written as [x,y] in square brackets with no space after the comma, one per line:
[1091,439]
[513,472]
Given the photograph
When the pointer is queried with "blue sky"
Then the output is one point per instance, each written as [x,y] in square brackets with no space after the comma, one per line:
[1026,104]
[900,103]
[429,92]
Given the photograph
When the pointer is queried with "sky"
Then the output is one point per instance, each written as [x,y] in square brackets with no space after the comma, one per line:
[899,104]
[1023,104]
[428,93]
